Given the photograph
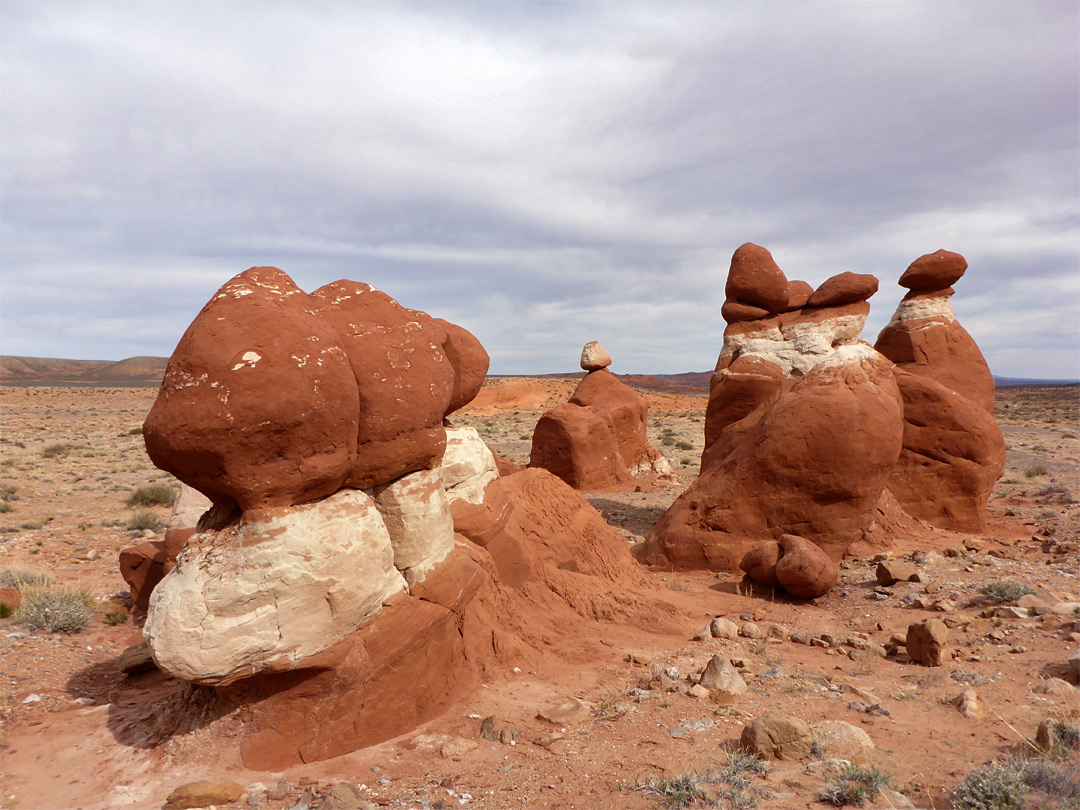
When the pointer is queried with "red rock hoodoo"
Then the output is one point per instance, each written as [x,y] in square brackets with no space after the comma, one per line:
[809,429]
[597,440]
[362,564]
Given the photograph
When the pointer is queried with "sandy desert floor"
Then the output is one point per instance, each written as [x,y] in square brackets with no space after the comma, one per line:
[72,456]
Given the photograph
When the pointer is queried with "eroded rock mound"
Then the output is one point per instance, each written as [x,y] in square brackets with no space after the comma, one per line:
[597,440]
[360,563]
[811,432]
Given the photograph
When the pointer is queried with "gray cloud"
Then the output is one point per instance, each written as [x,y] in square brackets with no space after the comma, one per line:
[543,174]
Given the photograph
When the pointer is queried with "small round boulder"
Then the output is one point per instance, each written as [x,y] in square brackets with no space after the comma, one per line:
[594,356]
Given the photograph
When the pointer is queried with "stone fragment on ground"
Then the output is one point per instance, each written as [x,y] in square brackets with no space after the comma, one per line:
[777,736]
[927,642]
[204,794]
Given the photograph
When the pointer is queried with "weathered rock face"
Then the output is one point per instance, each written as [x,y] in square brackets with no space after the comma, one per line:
[215,427]
[597,440]
[416,513]
[814,463]
[952,456]
[468,466]
[405,381]
[279,587]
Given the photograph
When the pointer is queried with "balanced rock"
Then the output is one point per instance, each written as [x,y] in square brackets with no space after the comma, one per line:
[777,736]
[215,427]
[845,288]
[754,278]
[928,642]
[934,271]
[597,440]
[594,356]
[737,311]
[925,338]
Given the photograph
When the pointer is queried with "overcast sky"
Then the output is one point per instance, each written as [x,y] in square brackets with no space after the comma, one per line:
[543,174]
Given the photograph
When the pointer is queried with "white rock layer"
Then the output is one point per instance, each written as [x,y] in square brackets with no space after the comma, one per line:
[467,466]
[284,584]
[416,512]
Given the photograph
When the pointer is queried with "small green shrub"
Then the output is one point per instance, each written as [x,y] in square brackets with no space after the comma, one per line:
[676,791]
[1036,470]
[854,786]
[116,617]
[145,519]
[56,450]
[1064,739]
[31,525]
[56,611]
[152,495]
[7,493]
[1002,591]
[668,441]
[5,610]
[686,462]
[6,507]
[22,579]
[683,445]
[999,787]
[137,431]
[1056,780]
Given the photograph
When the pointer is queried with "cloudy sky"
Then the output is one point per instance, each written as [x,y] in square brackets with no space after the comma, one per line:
[542,173]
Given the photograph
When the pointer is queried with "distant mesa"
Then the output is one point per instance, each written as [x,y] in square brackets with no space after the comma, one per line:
[811,432]
[597,440]
[134,371]
[347,563]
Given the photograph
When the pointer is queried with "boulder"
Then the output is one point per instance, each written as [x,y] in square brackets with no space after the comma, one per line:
[799,293]
[835,739]
[594,356]
[804,570]
[928,642]
[889,572]
[720,675]
[213,425]
[204,794]
[754,278]
[844,288]
[934,271]
[280,586]
[760,564]
[777,736]
[723,628]
[416,513]
[405,381]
